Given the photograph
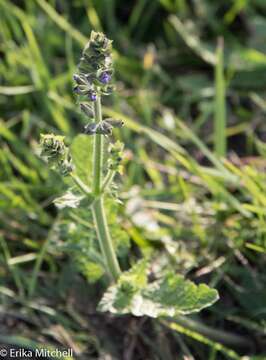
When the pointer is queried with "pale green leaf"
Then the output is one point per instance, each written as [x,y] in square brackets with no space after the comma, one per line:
[174,295]
[169,296]
[68,200]
[91,270]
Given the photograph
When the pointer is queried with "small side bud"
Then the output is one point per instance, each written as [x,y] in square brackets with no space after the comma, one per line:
[65,167]
[105,77]
[53,147]
[87,109]
[92,95]
[80,80]
[116,156]
[90,129]
[56,153]
[115,122]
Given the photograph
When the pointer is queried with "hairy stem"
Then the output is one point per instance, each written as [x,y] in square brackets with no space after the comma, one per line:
[99,216]
[97,150]
[108,179]
[84,188]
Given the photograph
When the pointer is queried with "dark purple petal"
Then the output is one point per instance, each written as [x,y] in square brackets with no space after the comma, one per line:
[105,78]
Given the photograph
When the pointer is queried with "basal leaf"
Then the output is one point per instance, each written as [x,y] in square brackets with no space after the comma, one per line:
[118,298]
[81,152]
[169,296]
[174,295]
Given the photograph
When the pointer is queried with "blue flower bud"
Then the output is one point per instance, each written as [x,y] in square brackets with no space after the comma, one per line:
[79,79]
[92,95]
[87,109]
[105,77]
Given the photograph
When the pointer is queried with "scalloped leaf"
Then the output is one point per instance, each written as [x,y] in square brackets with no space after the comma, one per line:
[170,296]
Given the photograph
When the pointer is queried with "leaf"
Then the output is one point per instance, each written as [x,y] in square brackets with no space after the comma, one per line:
[91,270]
[68,200]
[119,236]
[169,296]
[81,152]
[174,295]
[118,299]
[78,241]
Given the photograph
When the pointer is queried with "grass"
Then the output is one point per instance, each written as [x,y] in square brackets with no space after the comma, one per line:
[194,185]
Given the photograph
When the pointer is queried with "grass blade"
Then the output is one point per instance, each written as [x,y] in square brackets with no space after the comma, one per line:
[220,105]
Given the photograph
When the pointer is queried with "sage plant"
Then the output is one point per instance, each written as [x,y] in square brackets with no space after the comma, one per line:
[130,291]
[93,82]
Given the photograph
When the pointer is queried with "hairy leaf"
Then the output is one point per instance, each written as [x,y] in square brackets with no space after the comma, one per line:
[169,296]
[69,199]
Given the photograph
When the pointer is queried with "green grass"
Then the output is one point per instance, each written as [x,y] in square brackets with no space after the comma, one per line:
[220,103]
[194,183]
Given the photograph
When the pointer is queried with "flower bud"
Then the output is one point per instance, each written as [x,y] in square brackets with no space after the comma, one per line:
[87,109]
[79,79]
[116,156]
[53,147]
[96,63]
[105,77]
[92,95]
[81,89]
[65,167]
[56,153]
[115,122]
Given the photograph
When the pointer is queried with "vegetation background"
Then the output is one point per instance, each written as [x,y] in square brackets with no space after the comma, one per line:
[191,88]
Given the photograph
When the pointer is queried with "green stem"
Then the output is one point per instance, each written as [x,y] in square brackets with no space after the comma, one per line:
[108,179]
[84,188]
[99,216]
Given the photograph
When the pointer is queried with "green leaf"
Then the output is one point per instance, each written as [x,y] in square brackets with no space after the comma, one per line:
[68,200]
[77,236]
[169,296]
[91,270]
[81,152]
[174,295]
[119,235]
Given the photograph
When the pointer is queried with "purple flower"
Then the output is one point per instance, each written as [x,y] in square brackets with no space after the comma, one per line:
[105,77]
[92,96]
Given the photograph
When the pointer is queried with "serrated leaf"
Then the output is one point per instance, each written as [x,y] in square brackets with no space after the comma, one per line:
[169,296]
[174,295]
[69,199]
[118,298]
[81,152]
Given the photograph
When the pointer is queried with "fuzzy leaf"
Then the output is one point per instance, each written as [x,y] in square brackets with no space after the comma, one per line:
[169,296]
[68,200]
[81,152]
[174,295]
[118,298]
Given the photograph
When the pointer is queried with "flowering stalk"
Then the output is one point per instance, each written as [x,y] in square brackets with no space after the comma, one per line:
[100,221]
[92,82]
[95,71]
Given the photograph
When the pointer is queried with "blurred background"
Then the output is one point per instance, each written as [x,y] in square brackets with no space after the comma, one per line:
[191,88]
